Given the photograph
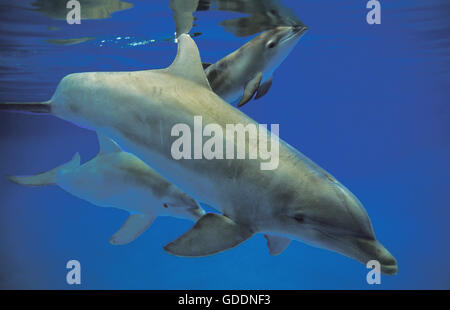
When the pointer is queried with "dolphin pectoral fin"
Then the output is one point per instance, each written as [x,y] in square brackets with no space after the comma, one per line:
[250,89]
[135,225]
[264,88]
[213,233]
[277,244]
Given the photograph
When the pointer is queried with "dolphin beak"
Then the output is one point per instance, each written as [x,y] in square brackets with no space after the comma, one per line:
[374,250]
[196,212]
[363,249]
[299,29]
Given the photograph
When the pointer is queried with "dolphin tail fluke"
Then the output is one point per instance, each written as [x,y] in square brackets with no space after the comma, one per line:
[26,107]
[45,178]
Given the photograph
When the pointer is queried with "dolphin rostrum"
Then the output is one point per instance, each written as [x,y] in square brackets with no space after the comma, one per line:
[118,179]
[298,200]
[248,70]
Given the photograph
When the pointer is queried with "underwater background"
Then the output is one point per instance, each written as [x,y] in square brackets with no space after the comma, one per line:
[369,103]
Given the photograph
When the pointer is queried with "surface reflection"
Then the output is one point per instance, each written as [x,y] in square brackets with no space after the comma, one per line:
[263,15]
[90,9]
[183,14]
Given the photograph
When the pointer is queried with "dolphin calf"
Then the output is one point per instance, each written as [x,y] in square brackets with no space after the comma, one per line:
[248,70]
[297,200]
[118,179]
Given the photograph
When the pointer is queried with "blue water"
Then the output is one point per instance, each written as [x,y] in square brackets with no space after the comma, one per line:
[370,104]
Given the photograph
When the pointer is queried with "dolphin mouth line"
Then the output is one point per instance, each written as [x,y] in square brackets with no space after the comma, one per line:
[339,233]
[389,269]
[301,29]
[326,234]
[295,33]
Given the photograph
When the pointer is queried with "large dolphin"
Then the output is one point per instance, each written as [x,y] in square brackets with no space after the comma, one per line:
[118,179]
[297,200]
[248,70]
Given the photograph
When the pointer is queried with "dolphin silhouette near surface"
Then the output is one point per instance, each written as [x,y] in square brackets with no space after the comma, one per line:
[253,16]
[297,200]
[247,72]
[118,179]
[183,14]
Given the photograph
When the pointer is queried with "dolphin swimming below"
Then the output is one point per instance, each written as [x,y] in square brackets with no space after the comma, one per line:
[118,179]
[248,70]
[298,200]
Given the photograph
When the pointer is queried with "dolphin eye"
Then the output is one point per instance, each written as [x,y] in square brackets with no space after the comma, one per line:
[271,44]
[165,205]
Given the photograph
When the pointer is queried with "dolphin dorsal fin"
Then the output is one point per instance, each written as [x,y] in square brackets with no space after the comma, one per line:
[188,63]
[107,145]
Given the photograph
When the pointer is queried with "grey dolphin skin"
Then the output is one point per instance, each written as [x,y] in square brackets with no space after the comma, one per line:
[298,200]
[118,179]
[248,70]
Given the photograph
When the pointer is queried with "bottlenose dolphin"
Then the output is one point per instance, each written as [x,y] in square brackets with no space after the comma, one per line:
[249,69]
[298,200]
[118,179]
